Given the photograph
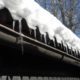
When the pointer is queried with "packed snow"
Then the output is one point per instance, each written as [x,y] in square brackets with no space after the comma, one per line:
[35,15]
[1,4]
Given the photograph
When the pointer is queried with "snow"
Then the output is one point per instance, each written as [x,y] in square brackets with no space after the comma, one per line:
[49,23]
[17,9]
[35,15]
[1,4]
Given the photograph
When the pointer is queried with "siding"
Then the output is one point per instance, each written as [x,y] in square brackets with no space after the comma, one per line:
[37,78]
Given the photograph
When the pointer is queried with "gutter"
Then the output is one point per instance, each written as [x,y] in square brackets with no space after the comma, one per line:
[9,36]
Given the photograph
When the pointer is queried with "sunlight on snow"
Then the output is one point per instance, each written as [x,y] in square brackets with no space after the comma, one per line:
[35,15]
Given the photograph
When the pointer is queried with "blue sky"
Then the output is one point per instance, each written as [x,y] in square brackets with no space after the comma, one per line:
[46,4]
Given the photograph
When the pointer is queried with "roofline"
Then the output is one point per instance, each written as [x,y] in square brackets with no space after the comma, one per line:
[9,36]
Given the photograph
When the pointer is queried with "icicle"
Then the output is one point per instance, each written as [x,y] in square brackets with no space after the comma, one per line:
[41,37]
[49,23]
[35,34]
[20,30]
[71,51]
[20,26]
[13,24]
[55,42]
[45,39]
[67,49]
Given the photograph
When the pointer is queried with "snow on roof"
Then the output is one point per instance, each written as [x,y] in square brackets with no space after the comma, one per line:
[35,15]
[49,23]
[1,4]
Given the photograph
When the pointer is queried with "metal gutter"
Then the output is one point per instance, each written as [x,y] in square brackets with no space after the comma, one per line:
[9,36]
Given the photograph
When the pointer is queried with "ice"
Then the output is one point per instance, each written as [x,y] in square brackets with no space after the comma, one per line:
[35,15]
